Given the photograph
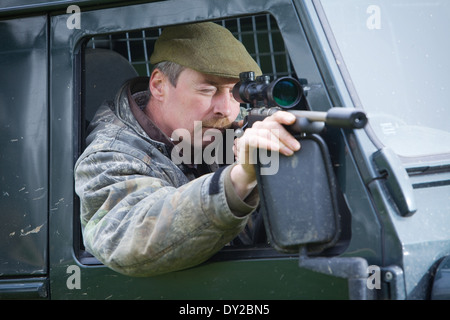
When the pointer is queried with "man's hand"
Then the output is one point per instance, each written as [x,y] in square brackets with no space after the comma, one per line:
[268,134]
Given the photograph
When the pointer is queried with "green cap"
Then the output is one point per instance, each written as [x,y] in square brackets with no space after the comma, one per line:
[205,47]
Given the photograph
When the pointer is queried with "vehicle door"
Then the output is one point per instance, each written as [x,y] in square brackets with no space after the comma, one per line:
[273,34]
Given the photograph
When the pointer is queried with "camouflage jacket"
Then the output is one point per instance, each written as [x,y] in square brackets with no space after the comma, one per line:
[141,214]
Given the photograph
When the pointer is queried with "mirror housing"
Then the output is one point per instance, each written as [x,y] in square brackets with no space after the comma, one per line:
[299,202]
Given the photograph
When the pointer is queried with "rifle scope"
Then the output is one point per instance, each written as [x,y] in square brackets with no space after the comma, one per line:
[284,92]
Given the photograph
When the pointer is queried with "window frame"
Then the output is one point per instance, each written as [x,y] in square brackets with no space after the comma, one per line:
[231,252]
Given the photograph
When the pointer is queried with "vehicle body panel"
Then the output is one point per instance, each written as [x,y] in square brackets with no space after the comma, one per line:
[24,141]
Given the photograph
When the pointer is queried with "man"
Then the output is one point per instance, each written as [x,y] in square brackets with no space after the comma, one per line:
[141,213]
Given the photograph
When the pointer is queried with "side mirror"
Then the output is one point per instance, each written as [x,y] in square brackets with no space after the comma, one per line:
[299,202]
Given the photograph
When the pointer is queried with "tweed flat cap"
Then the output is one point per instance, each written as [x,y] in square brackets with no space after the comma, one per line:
[205,47]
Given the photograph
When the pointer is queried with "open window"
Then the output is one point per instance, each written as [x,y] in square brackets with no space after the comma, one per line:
[108,60]
[118,57]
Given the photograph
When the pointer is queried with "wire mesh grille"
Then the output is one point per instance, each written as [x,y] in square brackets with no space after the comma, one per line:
[259,34]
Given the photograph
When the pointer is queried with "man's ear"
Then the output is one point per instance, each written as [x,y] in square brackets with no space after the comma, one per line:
[156,85]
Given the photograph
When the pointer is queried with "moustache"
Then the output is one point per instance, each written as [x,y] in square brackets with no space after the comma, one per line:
[222,123]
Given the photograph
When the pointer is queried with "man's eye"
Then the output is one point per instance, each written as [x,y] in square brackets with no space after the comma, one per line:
[231,94]
[208,90]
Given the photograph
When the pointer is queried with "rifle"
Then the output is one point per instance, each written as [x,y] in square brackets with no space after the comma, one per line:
[283,94]
[306,214]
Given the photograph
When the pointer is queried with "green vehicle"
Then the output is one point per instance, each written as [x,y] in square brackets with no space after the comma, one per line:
[355,214]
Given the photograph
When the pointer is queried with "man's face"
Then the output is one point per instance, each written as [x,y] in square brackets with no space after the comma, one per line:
[198,97]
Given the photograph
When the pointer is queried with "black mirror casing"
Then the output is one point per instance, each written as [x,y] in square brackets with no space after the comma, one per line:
[299,202]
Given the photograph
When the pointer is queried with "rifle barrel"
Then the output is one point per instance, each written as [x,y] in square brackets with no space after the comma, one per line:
[337,117]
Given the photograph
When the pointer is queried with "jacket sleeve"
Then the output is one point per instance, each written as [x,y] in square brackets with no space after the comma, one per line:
[139,224]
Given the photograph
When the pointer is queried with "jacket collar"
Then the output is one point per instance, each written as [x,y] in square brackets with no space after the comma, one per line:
[131,101]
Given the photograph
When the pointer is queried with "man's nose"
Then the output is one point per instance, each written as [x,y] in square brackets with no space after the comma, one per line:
[222,104]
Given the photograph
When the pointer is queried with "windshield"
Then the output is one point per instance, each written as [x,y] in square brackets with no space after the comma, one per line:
[397,54]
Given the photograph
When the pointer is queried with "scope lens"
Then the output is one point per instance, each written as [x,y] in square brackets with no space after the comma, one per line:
[285,93]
